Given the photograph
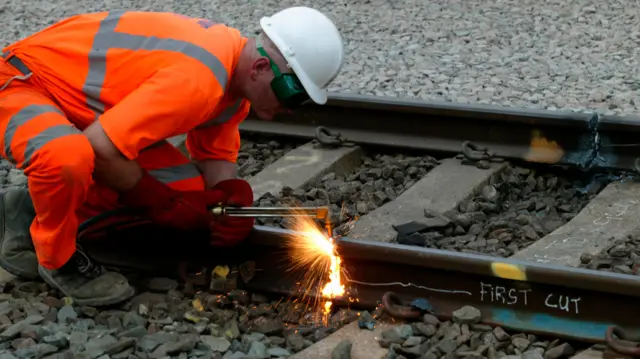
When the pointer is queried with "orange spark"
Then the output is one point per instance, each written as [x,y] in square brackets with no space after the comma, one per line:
[315,252]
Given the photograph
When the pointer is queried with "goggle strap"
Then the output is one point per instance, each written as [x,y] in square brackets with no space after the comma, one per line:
[261,51]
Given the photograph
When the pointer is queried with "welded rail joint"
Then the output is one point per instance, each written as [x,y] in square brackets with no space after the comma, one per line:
[593,153]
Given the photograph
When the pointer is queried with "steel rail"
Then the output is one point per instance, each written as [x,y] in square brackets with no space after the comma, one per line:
[585,140]
[565,302]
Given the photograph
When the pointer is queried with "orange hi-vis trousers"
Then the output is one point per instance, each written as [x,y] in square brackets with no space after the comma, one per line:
[58,160]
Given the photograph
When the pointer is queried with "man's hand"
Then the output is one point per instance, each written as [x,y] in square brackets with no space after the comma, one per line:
[220,175]
[229,231]
[165,206]
[185,210]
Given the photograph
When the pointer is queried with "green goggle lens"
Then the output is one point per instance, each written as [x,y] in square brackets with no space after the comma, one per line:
[289,90]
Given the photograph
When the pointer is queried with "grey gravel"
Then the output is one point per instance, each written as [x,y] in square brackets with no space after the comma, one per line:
[524,53]
[178,322]
[379,179]
[216,344]
[278,352]
[257,152]
[559,55]
[66,313]
[466,315]
[452,339]
[526,204]
[619,256]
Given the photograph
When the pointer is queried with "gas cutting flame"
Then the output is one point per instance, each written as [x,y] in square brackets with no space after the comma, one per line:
[315,252]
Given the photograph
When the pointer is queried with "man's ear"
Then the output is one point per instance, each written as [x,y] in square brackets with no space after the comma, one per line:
[259,66]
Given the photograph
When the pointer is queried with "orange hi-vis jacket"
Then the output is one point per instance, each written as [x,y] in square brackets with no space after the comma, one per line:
[145,77]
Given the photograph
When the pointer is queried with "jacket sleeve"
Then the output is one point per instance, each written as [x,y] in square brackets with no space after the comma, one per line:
[167,104]
[218,141]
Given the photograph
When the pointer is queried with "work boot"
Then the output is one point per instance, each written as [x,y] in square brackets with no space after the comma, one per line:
[86,282]
[17,253]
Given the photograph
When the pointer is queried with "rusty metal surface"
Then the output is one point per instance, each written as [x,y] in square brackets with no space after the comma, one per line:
[554,137]
[562,301]
[565,302]
[620,342]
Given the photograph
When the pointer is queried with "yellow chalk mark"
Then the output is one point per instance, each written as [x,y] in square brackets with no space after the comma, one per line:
[541,150]
[221,271]
[197,305]
[508,271]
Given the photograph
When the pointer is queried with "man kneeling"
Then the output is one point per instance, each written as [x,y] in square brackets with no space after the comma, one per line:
[86,106]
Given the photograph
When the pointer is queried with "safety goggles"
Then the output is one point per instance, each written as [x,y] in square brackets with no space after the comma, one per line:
[287,88]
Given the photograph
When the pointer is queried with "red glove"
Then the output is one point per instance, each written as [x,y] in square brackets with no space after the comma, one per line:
[229,231]
[184,210]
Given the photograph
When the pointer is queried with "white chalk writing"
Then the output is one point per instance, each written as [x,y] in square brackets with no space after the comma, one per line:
[578,240]
[563,302]
[311,159]
[504,295]
[621,209]
[511,296]
[441,290]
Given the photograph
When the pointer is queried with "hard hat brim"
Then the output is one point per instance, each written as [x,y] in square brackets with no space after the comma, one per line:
[317,94]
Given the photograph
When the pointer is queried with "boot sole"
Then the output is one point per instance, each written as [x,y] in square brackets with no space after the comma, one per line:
[95,302]
[5,264]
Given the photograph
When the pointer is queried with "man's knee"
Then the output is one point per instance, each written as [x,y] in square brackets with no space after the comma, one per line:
[70,158]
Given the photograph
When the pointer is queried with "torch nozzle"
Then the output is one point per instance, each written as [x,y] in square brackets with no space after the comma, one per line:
[265,212]
[321,213]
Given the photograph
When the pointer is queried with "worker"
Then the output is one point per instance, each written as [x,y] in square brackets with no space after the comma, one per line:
[86,106]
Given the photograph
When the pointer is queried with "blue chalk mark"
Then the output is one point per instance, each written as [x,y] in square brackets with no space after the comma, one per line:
[422,304]
[551,324]
[366,325]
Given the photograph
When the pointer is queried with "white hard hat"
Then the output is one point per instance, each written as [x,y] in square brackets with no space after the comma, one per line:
[311,45]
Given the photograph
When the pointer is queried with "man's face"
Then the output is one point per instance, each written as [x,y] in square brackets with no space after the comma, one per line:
[262,97]
[263,100]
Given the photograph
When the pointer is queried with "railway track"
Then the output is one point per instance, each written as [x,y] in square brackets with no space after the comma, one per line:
[431,219]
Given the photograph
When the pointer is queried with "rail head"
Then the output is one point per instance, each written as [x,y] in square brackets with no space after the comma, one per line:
[419,257]
[504,268]
[453,110]
[580,139]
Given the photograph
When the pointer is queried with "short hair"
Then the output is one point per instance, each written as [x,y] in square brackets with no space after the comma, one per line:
[263,40]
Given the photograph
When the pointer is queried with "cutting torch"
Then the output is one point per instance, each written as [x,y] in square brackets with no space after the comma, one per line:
[321,213]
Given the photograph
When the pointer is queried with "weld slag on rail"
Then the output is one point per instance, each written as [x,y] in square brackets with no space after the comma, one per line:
[587,155]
